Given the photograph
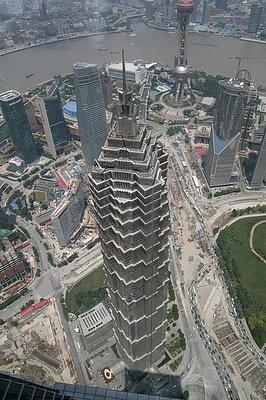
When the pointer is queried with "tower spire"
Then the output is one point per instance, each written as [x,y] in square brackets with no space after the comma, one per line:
[124,73]
[126,121]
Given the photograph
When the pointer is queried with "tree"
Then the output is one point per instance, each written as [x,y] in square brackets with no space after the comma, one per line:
[234,213]
[175,311]
[215,230]
[78,157]
[25,177]
[2,321]
[188,113]
[185,395]
[171,292]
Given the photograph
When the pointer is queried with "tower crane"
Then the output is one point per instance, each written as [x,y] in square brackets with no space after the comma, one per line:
[244,58]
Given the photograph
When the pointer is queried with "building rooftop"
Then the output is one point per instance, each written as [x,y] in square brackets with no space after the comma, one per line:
[70,110]
[61,208]
[94,319]
[44,185]
[82,65]
[262,105]
[207,101]
[71,193]
[9,95]
[130,67]
[17,161]
[44,217]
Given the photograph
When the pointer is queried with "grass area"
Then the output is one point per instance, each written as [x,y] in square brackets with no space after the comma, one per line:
[177,345]
[174,130]
[259,240]
[88,292]
[50,259]
[171,291]
[157,107]
[172,314]
[245,275]
[174,365]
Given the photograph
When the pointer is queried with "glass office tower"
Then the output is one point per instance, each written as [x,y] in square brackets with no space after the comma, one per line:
[20,132]
[90,110]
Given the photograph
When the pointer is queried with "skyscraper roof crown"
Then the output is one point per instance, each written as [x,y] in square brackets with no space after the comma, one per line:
[185,6]
[126,123]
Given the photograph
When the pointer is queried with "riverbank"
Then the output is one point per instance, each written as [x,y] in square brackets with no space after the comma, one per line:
[253,40]
[56,40]
[171,29]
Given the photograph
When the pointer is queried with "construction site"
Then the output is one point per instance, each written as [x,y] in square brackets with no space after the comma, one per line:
[33,344]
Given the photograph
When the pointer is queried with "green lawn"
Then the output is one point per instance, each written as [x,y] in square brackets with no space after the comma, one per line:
[245,274]
[176,363]
[88,292]
[177,345]
[170,316]
[174,348]
[259,240]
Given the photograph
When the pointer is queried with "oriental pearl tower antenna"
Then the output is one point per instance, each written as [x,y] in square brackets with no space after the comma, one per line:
[181,70]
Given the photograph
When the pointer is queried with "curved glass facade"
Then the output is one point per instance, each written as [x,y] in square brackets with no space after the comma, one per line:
[230,108]
[17,121]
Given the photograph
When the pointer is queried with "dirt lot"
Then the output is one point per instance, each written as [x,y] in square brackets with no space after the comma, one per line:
[35,346]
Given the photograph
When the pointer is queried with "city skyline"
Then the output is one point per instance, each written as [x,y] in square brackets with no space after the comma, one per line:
[132,253]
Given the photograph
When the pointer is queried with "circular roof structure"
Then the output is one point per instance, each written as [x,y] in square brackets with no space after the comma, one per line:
[185,6]
[139,62]
[182,71]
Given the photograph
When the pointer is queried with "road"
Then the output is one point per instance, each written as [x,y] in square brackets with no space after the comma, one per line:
[200,376]
[192,201]
[47,285]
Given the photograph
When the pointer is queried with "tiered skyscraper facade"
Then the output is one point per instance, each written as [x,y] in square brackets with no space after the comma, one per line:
[128,185]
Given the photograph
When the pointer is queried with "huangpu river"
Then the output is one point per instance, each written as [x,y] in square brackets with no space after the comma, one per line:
[209,53]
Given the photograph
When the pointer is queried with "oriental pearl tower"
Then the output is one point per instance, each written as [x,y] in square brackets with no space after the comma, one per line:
[181,70]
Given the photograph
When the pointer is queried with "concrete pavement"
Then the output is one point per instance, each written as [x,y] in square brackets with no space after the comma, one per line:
[199,376]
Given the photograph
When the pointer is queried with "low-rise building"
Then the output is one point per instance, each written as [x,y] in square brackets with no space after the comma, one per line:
[44,190]
[135,72]
[45,217]
[97,317]
[94,325]
[15,164]
[13,267]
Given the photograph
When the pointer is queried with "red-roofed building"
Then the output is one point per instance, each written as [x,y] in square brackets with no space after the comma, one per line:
[33,307]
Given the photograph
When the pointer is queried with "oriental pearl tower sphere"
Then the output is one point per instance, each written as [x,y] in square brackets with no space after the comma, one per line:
[181,71]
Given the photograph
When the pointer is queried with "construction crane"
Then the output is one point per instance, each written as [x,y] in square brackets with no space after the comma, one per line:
[244,58]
